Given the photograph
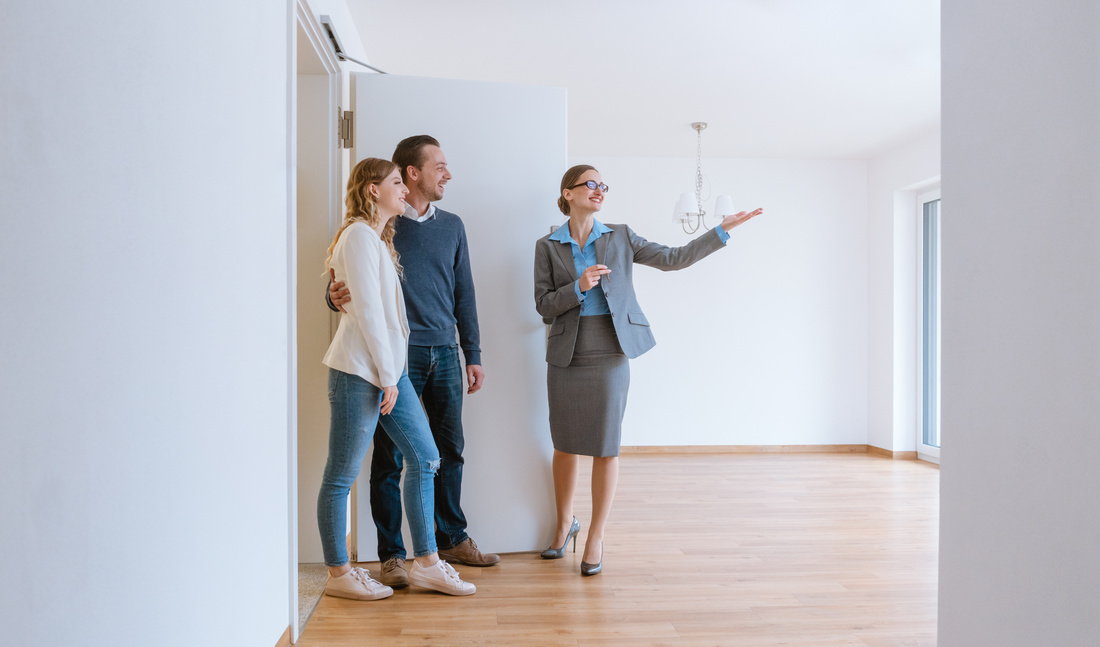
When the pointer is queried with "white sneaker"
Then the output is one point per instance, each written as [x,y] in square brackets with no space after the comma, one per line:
[357,584]
[440,577]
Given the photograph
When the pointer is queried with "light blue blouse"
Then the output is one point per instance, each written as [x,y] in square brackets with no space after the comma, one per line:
[593,302]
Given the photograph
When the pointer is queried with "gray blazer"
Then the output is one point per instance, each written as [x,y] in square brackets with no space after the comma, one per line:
[556,300]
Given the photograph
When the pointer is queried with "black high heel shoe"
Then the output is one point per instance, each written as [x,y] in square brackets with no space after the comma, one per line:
[558,553]
[592,569]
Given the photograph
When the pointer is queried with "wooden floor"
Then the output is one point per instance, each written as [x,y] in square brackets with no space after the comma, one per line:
[737,549]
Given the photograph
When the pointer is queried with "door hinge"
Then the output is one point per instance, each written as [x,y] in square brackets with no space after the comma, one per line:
[346,128]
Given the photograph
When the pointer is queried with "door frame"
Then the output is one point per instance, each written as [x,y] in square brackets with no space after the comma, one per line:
[302,16]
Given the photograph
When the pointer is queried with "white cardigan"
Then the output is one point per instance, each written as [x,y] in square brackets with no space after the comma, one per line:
[372,340]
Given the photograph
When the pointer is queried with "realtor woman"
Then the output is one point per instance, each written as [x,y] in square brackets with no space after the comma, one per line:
[585,291]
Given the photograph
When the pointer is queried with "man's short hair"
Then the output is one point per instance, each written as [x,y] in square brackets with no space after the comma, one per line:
[410,152]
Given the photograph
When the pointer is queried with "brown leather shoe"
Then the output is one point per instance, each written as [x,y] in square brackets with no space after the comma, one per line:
[394,574]
[468,554]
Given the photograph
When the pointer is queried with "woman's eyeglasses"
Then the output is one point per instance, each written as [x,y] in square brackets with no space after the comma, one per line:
[592,185]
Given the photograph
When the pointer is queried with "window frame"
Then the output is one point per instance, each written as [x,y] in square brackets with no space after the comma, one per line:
[925,451]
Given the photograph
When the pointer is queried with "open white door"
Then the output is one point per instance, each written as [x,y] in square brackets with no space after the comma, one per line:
[506,148]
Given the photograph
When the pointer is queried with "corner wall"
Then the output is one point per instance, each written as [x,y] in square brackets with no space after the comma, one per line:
[893,181]
[143,323]
[1019,564]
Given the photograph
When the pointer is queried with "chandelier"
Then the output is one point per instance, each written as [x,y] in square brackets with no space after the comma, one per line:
[688,211]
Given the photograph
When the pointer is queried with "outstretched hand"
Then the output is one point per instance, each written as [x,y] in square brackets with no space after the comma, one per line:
[729,222]
[337,293]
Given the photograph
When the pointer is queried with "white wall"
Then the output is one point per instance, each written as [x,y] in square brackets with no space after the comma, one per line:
[143,282]
[1019,564]
[893,181]
[763,343]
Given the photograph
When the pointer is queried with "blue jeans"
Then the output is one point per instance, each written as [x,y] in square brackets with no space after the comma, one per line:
[355,407]
[436,374]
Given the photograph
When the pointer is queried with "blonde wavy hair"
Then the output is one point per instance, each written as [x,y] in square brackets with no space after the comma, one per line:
[360,205]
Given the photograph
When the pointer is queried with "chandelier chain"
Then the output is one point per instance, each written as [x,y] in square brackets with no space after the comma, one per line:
[699,170]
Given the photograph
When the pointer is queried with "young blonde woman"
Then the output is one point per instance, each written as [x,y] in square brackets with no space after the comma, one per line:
[368,385]
[584,288]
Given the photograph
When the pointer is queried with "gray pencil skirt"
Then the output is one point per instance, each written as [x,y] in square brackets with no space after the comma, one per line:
[588,397]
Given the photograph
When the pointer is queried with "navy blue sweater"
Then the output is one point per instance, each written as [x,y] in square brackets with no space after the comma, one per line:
[438,285]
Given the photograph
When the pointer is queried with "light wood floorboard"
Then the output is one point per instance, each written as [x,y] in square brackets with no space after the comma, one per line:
[736,549]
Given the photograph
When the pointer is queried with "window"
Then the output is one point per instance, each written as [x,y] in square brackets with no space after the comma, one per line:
[928,312]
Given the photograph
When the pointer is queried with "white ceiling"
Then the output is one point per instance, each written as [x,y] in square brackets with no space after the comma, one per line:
[835,79]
